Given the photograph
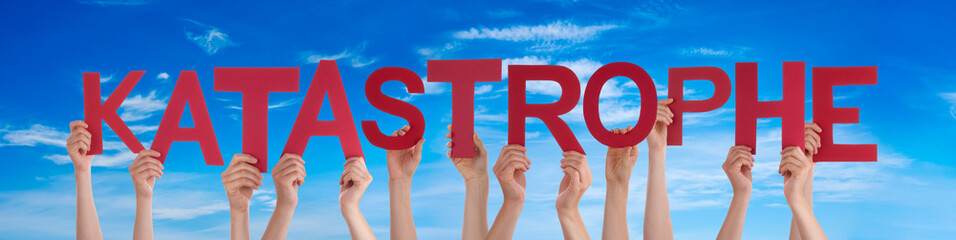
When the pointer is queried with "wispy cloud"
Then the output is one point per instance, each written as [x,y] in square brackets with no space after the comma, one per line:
[36,134]
[141,107]
[353,55]
[657,13]
[162,76]
[504,13]
[117,2]
[951,98]
[438,52]
[733,52]
[281,104]
[181,213]
[210,39]
[547,37]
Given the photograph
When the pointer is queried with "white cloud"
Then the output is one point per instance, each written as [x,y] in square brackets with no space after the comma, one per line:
[482,89]
[210,39]
[137,129]
[526,60]
[504,13]
[657,13]
[36,134]
[281,104]
[107,78]
[554,31]
[141,107]
[735,52]
[353,55]
[583,67]
[438,52]
[162,76]
[951,98]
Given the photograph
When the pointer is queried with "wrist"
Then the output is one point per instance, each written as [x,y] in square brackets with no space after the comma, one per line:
[477,179]
[237,211]
[651,147]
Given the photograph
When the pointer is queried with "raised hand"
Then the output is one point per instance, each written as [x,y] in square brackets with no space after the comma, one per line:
[509,169]
[657,139]
[475,172]
[474,167]
[144,170]
[78,144]
[618,166]
[577,179]
[402,163]
[240,179]
[355,179]
[738,168]
[620,161]
[796,168]
[288,175]
[811,138]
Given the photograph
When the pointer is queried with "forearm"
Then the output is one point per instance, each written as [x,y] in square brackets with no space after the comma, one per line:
[278,227]
[805,220]
[808,192]
[615,211]
[475,223]
[87,222]
[400,208]
[571,224]
[143,223]
[657,216]
[358,227]
[239,224]
[505,221]
[733,226]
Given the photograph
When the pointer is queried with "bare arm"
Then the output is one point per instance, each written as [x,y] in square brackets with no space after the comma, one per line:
[77,145]
[738,168]
[144,170]
[509,169]
[620,162]
[355,180]
[239,180]
[577,179]
[795,168]
[288,175]
[657,215]
[401,167]
[811,147]
[475,173]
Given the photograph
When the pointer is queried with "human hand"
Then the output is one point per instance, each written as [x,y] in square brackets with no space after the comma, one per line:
[240,179]
[355,179]
[144,170]
[811,138]
[402,163]
[738,168]
[620,161]
[577,179]
[795,167]
[474,167]
[288,175]
[509,169]
[657,139]
[78,144]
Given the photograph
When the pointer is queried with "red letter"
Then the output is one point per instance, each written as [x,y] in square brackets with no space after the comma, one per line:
[790,109]
[255,85]
[675,90]
[404,110]
[96,113]
[825,115]
[325,80]
[592,116]
[463,74]
[189,91]
[519,109]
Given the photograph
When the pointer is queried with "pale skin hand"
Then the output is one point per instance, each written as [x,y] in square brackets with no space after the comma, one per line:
[509,169]
[475,172]
[77,145]
[144,170]
[795,168]
[738,168]
[288,175]
[577,179]
[811,137]
[657,215]
[401,166]
[355,179]
[620,162]
[239,180]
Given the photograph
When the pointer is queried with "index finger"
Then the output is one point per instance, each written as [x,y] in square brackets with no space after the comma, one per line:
[78,123]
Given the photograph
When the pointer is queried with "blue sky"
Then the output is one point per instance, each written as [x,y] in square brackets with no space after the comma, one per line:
[911,113]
